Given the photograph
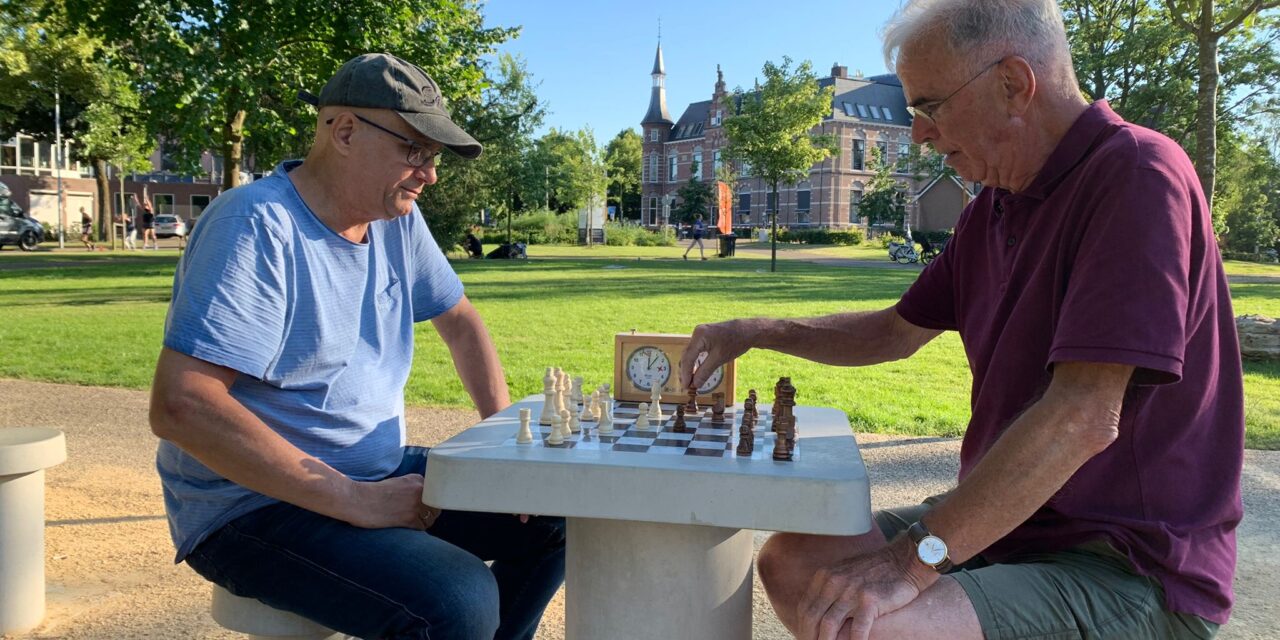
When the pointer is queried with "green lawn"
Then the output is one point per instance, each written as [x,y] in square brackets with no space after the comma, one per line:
[97,319]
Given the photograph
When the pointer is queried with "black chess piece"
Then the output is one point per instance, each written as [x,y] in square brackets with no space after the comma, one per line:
[678,426]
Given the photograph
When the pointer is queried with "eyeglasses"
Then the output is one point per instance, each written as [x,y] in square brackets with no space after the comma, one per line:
[419,154]
[928,109]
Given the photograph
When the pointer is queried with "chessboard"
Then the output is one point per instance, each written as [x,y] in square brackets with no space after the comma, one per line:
[703,435]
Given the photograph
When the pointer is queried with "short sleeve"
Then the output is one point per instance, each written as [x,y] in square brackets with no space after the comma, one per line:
[436,286]
[230,296]
[930,302]
[1127,295]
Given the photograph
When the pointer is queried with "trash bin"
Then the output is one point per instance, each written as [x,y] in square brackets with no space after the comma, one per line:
[728,244]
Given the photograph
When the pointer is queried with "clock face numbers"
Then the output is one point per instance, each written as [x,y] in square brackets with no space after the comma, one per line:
[713,381]
[648,367]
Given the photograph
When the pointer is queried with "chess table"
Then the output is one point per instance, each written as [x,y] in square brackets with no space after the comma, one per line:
[658,522]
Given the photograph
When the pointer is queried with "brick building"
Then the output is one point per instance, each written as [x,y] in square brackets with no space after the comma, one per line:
[865,113]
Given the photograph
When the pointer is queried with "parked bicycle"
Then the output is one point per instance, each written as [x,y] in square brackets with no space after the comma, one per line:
[903,252]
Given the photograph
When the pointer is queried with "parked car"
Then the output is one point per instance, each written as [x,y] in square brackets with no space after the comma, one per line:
[169,226]
[15,226]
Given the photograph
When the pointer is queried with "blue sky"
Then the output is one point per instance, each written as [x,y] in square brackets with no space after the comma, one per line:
[593,57]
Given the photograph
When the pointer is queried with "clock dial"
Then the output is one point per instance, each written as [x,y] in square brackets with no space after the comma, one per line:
[714,380]
[647,367]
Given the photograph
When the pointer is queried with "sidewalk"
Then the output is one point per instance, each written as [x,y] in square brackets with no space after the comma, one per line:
[110,570]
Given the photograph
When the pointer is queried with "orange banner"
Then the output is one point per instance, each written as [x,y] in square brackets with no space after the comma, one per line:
[725,198]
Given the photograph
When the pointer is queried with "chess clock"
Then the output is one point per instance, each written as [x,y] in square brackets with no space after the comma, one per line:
[642,361]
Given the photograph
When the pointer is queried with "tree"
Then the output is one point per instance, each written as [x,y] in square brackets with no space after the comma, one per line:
[771,129]
[566,168]
[695,197]
[47,60]
[622,158]
[1209,25]
[503,120]
[883,201]
[1247,210]
[222,74]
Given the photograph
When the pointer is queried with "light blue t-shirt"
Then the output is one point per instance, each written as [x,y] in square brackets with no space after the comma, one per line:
[320,328]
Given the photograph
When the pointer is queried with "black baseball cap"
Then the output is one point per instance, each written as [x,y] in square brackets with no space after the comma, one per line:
[383,81]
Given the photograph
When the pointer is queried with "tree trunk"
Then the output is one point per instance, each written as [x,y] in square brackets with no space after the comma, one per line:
[104,198]
[1207,102]
[773,236]
[232,139]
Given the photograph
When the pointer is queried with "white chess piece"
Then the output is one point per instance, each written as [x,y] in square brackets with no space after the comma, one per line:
[595,405]
[565,431]
[548,398]
[642,419]
[562,389]
[605,420]
[655,407]
[556,436]
[525,435]
[573,424]
[575,392]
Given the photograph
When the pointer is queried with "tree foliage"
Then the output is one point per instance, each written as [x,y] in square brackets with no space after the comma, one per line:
[883,198]
[772,128]
[695,197]
[622,158]
[222,74]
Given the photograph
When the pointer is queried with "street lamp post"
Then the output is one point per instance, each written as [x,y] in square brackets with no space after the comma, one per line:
[58,162]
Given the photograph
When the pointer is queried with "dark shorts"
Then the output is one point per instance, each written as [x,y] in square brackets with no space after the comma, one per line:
[1088,592]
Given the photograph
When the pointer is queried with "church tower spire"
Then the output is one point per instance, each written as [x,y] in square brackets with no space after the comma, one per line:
[657,113]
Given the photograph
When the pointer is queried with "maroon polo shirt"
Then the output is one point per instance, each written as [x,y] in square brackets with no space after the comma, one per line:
[1108,256]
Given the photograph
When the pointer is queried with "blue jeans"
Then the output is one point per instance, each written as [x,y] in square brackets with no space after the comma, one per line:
[393,583]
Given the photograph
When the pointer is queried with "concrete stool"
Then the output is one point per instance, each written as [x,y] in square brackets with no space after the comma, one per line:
[261,622]
[25,452]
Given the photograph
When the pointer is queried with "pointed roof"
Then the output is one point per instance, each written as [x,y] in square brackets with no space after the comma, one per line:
[658,67]
[657,113]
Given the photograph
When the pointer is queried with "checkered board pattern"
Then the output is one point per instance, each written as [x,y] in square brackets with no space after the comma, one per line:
[703,436]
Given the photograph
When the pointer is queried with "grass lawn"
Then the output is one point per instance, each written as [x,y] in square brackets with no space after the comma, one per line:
[97,319]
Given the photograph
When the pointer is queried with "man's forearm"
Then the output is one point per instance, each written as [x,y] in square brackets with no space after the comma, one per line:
[843,339]
[229,439]
[480,369]
[1030,462]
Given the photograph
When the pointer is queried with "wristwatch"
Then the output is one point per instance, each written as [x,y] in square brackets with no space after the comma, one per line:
[931,551]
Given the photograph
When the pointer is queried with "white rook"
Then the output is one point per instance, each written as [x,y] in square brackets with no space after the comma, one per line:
[25,452]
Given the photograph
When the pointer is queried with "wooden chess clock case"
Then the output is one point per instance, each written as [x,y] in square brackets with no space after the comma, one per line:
[642,360]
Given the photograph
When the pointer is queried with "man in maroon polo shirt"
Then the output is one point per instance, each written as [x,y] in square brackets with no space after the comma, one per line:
[1099,484]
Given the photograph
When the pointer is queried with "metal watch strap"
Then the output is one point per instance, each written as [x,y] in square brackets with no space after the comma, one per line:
[917,532]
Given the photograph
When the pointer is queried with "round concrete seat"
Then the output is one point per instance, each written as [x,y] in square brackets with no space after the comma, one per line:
[259,621]
[25,452]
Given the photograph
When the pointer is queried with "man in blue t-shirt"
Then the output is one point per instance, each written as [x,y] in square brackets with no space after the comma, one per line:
[279,393]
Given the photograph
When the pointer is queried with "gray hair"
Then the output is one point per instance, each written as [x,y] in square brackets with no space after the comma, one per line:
[985,29]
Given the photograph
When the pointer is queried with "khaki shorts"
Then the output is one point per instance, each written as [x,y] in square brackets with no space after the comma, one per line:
[1089,592]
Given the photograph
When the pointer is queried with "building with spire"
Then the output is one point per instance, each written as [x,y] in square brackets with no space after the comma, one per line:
[866,113]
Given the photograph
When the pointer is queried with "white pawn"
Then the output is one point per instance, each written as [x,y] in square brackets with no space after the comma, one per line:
[642,420]
[595,405]
[565,430]
[573,424]
[556,438]
[525,435]
[575,392]
[605,419]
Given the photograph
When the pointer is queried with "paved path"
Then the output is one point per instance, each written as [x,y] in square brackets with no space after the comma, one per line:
[110,564]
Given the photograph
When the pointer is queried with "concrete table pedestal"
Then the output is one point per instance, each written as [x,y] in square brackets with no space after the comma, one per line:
[659,543]
[25,452]
[260,622]
[658,580]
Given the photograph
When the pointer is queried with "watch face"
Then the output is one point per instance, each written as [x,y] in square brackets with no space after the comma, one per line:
[931,550]
[648,367]
[714,380]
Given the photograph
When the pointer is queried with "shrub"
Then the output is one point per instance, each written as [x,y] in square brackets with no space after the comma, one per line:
[885,239]
[822,236]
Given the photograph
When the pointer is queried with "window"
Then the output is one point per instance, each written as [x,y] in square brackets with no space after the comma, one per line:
[746,169]
[696,167]
[162,203]
[653,135]
[718,162]
[716,117]
[653,211]
[848,109]
[26,152]
[859,155]
[653,167]
[802,197]
[198,205]
[875,112]
[45,158]
[904,154]
[771,202]
[883,147]
[672,168]
[887,116]
[9,154]
[744,204]
[855,201]
[862,110]
[644,169]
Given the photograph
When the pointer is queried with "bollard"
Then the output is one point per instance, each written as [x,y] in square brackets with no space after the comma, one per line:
[25,452]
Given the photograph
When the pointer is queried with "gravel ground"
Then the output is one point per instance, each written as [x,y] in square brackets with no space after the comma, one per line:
[109,561]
